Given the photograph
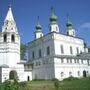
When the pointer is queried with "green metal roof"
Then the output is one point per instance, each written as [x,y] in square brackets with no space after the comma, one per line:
[4,66]
[38,25]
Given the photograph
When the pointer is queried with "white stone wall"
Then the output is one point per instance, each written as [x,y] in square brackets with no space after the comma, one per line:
[67,42]
[4,74]
[43,69]
[49,67]
[42,44]
[70,67]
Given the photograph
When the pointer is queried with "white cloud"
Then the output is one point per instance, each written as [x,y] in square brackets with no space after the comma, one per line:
[85,25]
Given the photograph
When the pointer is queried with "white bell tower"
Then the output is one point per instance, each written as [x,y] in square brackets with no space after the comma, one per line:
[9,41]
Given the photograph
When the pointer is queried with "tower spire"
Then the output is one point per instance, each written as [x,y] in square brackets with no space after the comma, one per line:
[38,26]
[9,15]
[9,22]
[53,18]
[69,27]
[38,31]
[69,23]
[53,22]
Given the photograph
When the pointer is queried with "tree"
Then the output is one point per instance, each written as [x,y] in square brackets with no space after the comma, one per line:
[7,85]
[89,49]
[10,85]
[23,49]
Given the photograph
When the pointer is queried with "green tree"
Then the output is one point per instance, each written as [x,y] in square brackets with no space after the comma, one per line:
[10,85]
[7,85]
[23,49]
[89,49]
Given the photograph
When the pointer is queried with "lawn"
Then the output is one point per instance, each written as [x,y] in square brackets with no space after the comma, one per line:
[67,84]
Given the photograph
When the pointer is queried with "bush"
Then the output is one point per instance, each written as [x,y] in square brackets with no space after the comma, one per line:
[70,79]
[56,84]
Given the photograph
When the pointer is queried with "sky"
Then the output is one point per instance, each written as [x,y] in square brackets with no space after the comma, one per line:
[26,12]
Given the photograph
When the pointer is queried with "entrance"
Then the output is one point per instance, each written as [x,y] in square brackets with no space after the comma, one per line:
[28,78]
[84,73]
[13,75]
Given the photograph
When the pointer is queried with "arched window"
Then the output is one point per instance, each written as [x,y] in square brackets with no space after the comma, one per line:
[78,73]
[77,50]
[71,51]
[48,50]
[70,74]
[62,74]
[62,50]
[5,37]
[56,28]
[13,38]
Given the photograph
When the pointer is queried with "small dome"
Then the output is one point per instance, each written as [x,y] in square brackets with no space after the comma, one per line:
[69,23]
[53,17]
[4,66]
[38,26]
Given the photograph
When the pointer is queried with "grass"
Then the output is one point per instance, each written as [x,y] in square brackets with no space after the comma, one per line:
[74,84]
[66,84]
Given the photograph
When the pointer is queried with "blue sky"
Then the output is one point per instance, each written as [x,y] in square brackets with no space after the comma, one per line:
[26,13]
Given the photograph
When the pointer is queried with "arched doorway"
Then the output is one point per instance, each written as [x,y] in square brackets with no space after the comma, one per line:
[13,75]
[84,74]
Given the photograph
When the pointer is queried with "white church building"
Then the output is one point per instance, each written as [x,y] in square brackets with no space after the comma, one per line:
[50,56]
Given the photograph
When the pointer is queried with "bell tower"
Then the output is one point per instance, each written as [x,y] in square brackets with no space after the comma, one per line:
[9,41]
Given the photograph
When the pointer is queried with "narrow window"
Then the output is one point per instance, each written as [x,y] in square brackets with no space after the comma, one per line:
[70,60]
[56,28]
[62,60]
[77,50]
[88,62]
[62,74]
[40,55]
[70,74]
[48,50]
[5,37]
[82,61]
[67,60]
[71,52]
[13,38]
[75,60]
[33,55]
[62,51]
[78,73]
[40,35]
